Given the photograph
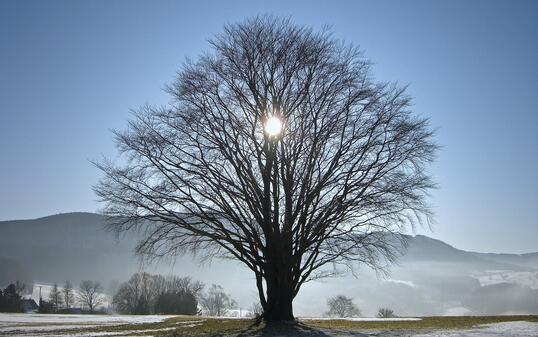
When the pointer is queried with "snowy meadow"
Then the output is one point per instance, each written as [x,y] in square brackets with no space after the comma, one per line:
[38,325]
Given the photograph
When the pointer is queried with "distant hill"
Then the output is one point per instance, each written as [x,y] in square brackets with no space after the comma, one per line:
[71,246]
[431,278]
[445,280]
[11,269]
[525,260]
[424,248]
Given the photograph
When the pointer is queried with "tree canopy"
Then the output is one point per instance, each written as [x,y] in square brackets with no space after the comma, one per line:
[203,174]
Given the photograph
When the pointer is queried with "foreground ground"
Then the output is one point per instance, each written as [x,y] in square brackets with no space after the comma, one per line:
[34,325]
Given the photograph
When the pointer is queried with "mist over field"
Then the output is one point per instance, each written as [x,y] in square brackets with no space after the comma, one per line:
[432,278]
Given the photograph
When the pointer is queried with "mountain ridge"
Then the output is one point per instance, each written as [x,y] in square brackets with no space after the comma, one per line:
[432,278]
[67,215]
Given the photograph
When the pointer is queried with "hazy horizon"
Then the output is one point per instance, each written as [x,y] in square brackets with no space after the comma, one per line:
[430,279]
[70,72]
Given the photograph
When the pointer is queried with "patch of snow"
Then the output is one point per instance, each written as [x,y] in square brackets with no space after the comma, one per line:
[88,334]
[48,325]
[492,277]
[63,331]
[44,328]
[9,318]
[506,329]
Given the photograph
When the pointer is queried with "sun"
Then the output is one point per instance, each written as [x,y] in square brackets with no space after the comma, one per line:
[273,126]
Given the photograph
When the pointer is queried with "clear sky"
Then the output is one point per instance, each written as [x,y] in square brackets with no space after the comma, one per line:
[71,70]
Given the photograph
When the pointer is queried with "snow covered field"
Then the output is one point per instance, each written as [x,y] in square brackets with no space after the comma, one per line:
[524,278]
[36,325]
[80,319]
[506,329]
[64,325]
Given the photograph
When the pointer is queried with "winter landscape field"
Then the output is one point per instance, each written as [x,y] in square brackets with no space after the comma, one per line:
[236,168]
[36,325]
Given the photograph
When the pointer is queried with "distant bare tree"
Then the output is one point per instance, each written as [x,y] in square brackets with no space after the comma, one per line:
[21,287]
[278,150]
[255,310]
[385,313]
[216,302]
[136,295]
[55,297]
[90,294]
[186,284]
[179,295]
[342,306]
[149,294]
[68,294]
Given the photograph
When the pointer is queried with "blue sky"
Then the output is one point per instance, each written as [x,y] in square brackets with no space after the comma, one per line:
[71,70]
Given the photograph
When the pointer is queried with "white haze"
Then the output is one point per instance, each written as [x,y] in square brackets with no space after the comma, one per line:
[433,278]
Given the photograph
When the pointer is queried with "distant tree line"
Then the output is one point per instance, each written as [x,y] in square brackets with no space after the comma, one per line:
[142,294]
[89,296]
[145,293]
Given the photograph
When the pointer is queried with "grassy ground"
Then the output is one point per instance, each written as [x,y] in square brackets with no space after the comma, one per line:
[462,322]
[243,327]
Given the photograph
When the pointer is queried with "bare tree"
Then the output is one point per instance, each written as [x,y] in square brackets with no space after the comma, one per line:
[342,306]
[280,151]
[21,287]
[149,294]
[216,302]
[178,296]
[385,313]
[137,295]
[176,284]
[55,297]
[255,310]
[90,294]
[68,294]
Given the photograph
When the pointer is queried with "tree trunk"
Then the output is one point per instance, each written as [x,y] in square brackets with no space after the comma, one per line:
[279,306]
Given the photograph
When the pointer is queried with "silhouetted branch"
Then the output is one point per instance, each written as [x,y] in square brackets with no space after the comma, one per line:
[347,172]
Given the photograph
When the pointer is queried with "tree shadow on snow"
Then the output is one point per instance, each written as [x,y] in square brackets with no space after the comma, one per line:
[292,329]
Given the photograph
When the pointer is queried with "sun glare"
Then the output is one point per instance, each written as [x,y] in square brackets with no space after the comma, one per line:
[273,126]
